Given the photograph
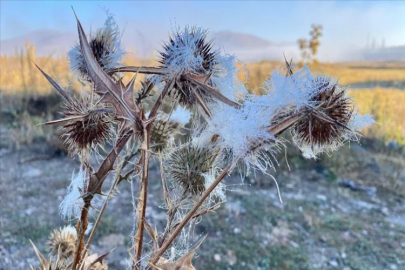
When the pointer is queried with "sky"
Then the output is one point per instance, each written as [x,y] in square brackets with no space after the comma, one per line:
[347,24]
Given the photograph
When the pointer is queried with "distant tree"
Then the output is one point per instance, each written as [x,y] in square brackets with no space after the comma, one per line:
[309,48]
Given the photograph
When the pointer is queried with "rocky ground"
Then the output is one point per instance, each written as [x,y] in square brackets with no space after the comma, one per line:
[346,211]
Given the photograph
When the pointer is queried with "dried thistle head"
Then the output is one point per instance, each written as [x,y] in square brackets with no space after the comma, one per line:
[59,264]
[188,52]
[91,262]
[162,132]
[327,122]
[62,242]
[106,47]
[188,165]
[86,126]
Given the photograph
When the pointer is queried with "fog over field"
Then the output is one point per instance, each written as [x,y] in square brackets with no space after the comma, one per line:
[248,47]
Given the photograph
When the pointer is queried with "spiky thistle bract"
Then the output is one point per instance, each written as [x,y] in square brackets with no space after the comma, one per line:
[188,52]
[188,164]
[85,126]
[327,122]
[62,242]
[162,133]
[105,45]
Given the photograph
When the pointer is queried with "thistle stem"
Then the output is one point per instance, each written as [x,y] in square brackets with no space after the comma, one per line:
[142,202]
[144,70]
[190,214]
[83,227]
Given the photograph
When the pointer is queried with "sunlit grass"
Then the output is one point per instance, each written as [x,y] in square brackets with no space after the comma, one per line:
[350,73]
[388,109]
[21,78]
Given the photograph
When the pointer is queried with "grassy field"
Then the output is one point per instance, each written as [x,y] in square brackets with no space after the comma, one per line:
[377,88]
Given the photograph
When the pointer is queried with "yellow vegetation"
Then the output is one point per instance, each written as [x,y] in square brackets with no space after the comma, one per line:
[388,109]
[20,77]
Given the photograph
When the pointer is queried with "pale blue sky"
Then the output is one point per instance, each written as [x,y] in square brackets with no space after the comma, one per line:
[347,24]
[276,21]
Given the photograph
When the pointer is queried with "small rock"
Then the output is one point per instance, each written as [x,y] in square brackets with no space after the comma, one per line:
[364,205]
[346,268]
[334,263]
[231,257]
[343,255]
[403,244]
[321,197]
[346,236]
[393,145]
[290,185]
[393,267]
[364,232]
[293,244]
[32,172]
[236,230]
[13,249]
[217,257]
[385,211]
[397,220]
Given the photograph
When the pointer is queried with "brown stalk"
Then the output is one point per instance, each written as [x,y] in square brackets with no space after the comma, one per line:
[86,248]
[97,179]
[214,92]
[144,70]
[155,257]
[83,227]
[142,201]
[95,183]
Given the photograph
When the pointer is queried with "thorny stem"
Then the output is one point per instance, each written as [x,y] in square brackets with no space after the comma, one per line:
[83,227]
[142,201]
[155,257]
[116,181]
[95,182]
[144,70]
[97,179]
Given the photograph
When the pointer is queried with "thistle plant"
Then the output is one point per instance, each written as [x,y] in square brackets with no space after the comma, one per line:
[228,130]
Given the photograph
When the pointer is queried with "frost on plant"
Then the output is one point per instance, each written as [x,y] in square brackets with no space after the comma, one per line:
[200,126]
[72,204]
[105,44]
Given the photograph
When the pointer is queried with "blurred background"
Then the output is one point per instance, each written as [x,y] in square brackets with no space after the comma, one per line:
[344,211]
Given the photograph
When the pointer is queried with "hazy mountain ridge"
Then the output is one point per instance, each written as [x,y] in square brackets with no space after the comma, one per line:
[246,46]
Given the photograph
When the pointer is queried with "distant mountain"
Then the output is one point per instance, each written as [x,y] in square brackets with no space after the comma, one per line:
[248,48]
[46,41]
[239,41]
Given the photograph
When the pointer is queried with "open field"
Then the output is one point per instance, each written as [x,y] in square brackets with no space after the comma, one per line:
[377,88]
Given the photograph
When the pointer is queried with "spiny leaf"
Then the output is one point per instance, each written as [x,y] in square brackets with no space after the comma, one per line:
[43,261]
[60,90]
[111,92]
